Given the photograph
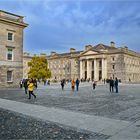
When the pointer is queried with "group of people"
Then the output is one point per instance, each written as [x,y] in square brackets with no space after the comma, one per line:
[73,83]
[113,84]
[29,85]
[46,82]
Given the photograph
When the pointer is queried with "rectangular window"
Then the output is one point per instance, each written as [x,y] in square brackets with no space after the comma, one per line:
[113,58]
[9,76]
[9,54]
[10,36]
[113,67]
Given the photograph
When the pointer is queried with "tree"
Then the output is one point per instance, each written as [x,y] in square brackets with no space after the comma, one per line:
[39,68]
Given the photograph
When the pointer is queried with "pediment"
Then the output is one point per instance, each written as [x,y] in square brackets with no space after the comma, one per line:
[101,47]
[90,52]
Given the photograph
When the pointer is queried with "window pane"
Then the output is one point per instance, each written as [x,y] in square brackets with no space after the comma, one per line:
[10,35]
[9,54]
[9,75]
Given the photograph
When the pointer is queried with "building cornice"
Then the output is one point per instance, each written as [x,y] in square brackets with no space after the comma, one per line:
[13,22]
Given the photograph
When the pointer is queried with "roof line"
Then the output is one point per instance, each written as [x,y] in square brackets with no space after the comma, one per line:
[11,13]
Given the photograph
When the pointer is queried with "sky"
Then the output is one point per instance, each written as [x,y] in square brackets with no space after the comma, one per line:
[58,25]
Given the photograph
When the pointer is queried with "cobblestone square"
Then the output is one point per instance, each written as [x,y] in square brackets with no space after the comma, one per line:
[104,106]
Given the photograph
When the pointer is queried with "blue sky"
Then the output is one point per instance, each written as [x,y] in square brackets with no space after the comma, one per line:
[57,25]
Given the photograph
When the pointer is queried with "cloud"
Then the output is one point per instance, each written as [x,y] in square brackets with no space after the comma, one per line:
[59,24]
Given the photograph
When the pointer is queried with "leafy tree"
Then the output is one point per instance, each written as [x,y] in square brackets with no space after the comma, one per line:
[39,68]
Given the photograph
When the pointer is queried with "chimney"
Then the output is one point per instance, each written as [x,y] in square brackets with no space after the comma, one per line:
[125,47]
[112,44]
[43,54]
[87,47]
[53,53]
[72,50]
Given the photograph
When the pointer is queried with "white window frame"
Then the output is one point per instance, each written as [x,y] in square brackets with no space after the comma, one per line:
[12,54]
[12,36]
[11,80]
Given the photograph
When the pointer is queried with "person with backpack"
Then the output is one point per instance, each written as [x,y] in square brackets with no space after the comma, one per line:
[31,88]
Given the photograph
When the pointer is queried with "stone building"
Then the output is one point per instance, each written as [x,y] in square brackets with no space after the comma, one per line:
[102,62]
[11,46]
[26,58]
[96,63]
[65,65]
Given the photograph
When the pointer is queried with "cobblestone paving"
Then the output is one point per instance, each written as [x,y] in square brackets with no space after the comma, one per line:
[124,106]
[17,126]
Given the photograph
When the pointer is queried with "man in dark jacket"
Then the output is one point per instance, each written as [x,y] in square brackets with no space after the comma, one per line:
[77,84]
[62,84]
[111,84]
[26,85]
[116,84]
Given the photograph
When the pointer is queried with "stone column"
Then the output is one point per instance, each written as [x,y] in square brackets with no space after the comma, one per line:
[87,69]
[103,68]
[95,71]
[105,63]
[81,69]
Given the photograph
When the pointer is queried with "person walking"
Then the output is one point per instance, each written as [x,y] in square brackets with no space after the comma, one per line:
[116,84]
[62,84]
[94,85]
[111,84]
[104,80]
[44,82]
[77,84]
[25,85]
[31,88]
[35,83]
[21,83]
[73,85]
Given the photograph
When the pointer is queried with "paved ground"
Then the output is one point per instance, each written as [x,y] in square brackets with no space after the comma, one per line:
[117,115]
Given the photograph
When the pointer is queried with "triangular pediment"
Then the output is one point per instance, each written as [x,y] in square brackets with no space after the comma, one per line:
[101,47]
[89,52]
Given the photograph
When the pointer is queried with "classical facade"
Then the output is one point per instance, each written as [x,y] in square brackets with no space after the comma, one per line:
[102,62]
[96,63]
[11,46]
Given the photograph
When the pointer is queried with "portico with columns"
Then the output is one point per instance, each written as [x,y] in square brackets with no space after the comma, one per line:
[93,68]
